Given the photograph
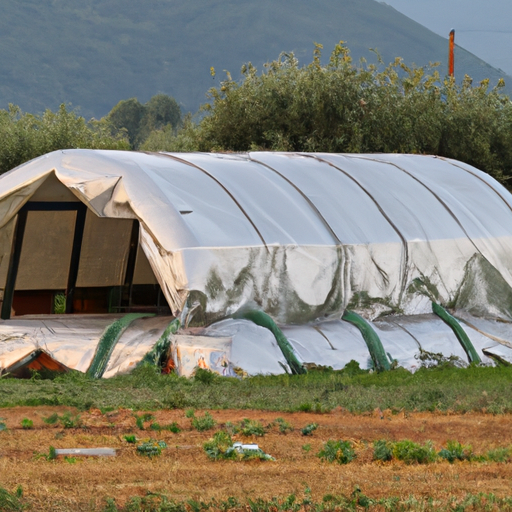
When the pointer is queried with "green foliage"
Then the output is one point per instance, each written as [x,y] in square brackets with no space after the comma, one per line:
[66,420]
[283,425]
[443,389]
[382,450]
[341,452]
[309,429]
[498,455]
[249,428]
[26,136]
[206,422]
[342,107]
[10,502]
[142,418]
[27,424]
[217,447]
[3,426]
[456,451]
[136,121]
[172,427]
[204,376]
[411,452]
[151,448]
[130,438]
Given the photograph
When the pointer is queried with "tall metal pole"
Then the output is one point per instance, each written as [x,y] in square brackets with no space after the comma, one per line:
[451,60]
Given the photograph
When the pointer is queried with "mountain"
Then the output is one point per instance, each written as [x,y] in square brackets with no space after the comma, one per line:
[483,28]
[94,53]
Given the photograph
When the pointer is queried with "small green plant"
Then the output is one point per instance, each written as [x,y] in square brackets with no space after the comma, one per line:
[341,452]
[69,421]
[190,413]
[173,427]
[206,422]
[130,438]
[151,448]
[251,428]
[3,426]
[309,429]
[66,420]
[70,460]
[141,419]
[498,455]
[283,425]
[306,448]
[456,451]
[10,502]
[204,376]
[27,424]
[382,450]
[411,452]
[155,426]
[217,447]
[51,420]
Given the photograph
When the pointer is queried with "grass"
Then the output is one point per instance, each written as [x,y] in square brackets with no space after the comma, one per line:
[486,389]
[341,452]
[354,501]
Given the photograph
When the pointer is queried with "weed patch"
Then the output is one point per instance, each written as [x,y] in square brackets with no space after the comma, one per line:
[411,452]
[341,452]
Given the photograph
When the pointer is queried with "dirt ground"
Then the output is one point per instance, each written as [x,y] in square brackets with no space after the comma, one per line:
[183,470]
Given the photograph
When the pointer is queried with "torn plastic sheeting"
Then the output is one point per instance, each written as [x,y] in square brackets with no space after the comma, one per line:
[137,341]
[206,352]
[253,348]
[500,353]
[398,344]
[36,360]
[498,331]
[432,334]
[69,339]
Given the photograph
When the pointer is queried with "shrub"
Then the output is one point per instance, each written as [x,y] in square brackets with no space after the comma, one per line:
[251,428]
[499,455]
[26,424]
[217,447]
[456,451]
[337,451]
[283,425]
[382,450]
[411,452]
[203,423]
[309,429]
[151,448]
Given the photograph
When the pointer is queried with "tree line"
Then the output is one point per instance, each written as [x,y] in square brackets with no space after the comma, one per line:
[340,106]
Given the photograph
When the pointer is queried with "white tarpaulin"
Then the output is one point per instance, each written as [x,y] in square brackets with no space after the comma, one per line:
[301,236]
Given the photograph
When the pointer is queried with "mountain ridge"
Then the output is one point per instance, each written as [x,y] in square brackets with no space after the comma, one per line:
[94,55]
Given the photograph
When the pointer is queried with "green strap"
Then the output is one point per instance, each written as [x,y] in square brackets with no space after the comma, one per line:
[156,356]
[377,352]
[263,320]
[459,332]
[108,341]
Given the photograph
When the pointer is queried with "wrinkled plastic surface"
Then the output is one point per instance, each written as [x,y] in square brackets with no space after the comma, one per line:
[303,236]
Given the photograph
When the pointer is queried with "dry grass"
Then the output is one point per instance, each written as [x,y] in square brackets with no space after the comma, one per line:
[184,472]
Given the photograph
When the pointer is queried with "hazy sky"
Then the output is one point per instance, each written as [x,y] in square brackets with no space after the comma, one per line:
[482,27]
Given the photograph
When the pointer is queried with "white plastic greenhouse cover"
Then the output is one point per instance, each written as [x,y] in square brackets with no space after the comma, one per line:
[303,236]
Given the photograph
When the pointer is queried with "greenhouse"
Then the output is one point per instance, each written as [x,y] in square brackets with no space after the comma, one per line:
[251,263]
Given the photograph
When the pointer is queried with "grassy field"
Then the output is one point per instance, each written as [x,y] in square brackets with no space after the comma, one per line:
[444,388]
[417,414]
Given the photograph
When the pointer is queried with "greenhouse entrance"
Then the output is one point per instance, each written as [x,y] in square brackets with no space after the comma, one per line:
[65,259]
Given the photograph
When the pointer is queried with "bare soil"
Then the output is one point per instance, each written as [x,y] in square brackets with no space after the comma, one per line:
[183,471]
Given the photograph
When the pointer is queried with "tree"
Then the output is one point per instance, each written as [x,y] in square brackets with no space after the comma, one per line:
[342,107]
[137,121]
[26,136]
